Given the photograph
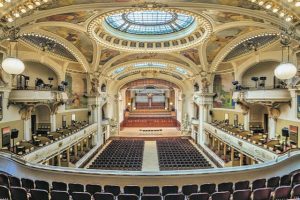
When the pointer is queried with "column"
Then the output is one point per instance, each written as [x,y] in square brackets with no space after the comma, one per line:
[27,129]
[241,159]
[82,146]
[247,121]
[75,151]
[53,122]
[225,150]
[201,125]
[272,128]
[58,157]
[68,156]
[232,155]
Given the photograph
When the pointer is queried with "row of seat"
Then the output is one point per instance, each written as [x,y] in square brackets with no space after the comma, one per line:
[121,155]
[178,154]
[284,187]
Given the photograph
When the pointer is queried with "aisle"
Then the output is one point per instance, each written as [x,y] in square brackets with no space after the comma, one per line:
[150,159]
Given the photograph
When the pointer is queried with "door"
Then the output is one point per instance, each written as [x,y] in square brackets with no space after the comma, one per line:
[266,123]
[33,124]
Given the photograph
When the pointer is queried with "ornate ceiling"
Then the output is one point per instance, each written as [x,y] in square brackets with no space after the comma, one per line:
[222,36]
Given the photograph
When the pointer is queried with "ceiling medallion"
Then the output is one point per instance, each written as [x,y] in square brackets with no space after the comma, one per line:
[150,28]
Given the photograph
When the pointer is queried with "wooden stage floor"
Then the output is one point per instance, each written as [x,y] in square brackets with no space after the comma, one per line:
[149,132]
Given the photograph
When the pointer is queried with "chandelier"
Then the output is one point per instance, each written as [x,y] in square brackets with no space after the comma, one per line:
[11,64]
[285,70]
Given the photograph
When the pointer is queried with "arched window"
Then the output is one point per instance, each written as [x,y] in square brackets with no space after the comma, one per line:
[103,88]
[196,87]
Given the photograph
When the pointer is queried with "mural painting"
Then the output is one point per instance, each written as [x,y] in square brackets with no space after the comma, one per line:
[74,17]
[76,90]
[192,54]
[108,54]
[224,90]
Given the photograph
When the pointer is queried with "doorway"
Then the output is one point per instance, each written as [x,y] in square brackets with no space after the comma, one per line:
[266,123]
[33,124]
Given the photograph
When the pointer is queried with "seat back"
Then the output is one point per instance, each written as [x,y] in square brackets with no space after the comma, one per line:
[282,192]
[296,179]
[59,186]
[151,190]
[103,196]
[151,197]
[92,189]
[296,191]
[18,193]
[174,197]
[262,194]
[132,189]
[4,192]
[42,185]
[27,183]
[113,189]
[75,188]
[285,180]
[59,195]
[273,182]
[81,196]
[14,181]
[241,194]
[222,187]
[4,180]
[208,188]
[169,189]
[128,197]
[241,185]
[189,189]
[258,183]
[221,196]
[199,196]
[37,194]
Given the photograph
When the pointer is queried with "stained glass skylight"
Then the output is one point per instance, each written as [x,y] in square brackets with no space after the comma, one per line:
[149,22]
[119,70]
[150,64]
[180,70]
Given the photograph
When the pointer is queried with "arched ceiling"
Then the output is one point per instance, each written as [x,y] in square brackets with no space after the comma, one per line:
[232,21]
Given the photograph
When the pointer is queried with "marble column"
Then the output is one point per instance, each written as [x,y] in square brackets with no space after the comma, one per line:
[201,125]
[272,128]
[68,156]
[241,159]
[27,129]
[247,121]
[53,122]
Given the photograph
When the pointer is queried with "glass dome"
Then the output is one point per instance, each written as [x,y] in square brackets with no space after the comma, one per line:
[149,22]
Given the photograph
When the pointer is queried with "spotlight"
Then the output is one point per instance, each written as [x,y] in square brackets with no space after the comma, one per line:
[235,82]
[65,83]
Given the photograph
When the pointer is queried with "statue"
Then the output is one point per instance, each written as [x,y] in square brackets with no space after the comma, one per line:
[94,87]
[205,85]
[25,111]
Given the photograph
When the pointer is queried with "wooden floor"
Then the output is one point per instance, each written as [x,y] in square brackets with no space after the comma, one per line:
[150,132]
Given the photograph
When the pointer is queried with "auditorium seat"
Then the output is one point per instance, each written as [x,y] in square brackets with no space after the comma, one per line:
[296,179]
[28,184]
[75,188]
[81,196]
[4,192]
[222,187]
[189,189]
[174,197]
[103,196]
[273,182]
[4,180]
[14,181]
[199,196]
[169,189]
[209,188]
[18,193]
[37,194]
[42,185]
[59,186]
[92,189]
[241,185]
[258,183]
[151,190]
[128,197]
[220,196]
[285,180]
[262,194]
[113,189]
[132,189]
[59,195]
[241,194]
[296,191]
[151,197]
[282,192]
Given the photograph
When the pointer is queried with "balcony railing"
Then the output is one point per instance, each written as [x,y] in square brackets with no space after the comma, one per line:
[274,95]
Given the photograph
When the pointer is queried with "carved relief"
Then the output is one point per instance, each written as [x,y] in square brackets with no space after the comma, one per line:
[25,111]
[94,87]
[273,112]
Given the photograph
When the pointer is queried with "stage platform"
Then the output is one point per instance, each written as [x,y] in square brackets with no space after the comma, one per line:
[149,132]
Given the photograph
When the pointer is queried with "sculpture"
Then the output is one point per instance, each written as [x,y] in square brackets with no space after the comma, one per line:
[94,87]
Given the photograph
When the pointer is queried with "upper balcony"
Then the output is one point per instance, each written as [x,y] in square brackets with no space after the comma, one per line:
[263,95]
[35,96]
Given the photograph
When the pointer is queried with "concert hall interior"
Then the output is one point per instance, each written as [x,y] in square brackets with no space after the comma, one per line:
[149,99]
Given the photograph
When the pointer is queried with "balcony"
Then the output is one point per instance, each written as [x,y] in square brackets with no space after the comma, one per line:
[195,121]
[263,95]
[36,96]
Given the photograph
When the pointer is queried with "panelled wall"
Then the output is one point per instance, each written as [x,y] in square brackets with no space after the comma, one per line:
[219,115]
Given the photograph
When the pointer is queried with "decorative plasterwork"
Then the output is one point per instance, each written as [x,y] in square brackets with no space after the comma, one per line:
[202,30]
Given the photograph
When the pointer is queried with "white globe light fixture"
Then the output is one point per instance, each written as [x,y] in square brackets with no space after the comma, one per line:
[285,71]
[13,66]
